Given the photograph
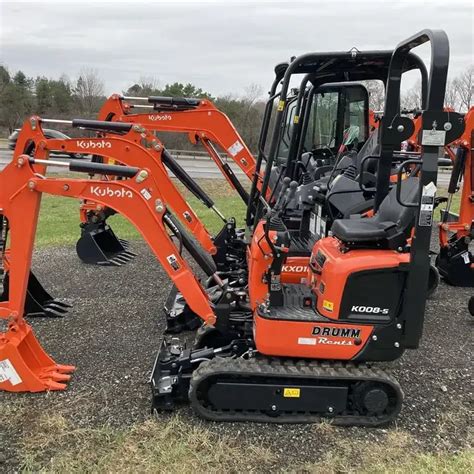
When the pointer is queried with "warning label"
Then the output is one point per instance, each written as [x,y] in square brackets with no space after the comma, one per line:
[8,373]
[427,205]
[236,148]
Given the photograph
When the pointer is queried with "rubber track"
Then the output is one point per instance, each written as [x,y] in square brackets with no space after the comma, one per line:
[291,369]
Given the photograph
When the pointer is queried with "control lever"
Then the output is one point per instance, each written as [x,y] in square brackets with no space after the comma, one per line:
[284,187]
[284,197]
[291,194]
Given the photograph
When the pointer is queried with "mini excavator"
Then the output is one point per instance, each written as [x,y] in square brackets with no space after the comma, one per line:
[271,351]
[304,351]
[131,145]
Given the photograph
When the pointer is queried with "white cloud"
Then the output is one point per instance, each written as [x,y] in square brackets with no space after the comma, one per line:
[219,46]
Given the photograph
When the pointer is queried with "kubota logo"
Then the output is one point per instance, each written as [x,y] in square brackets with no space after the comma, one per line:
[294,268]
[95,145]
[159,117]
[108,192]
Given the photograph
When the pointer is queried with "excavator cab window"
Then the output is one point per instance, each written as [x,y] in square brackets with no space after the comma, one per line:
[338,116]
[357,109]
[322,126]
[284,146]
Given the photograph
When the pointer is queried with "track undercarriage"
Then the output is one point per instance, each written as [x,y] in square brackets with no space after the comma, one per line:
[233,382]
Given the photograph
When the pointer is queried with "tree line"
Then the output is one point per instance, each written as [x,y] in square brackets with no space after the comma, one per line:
[21,96]
[459,93]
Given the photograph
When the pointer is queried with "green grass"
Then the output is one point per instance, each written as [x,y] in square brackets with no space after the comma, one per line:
[56,441]
[54,444]
[456,202]
[59,217]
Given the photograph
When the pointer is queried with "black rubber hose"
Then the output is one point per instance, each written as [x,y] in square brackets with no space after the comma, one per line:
[184,177]
[191,245]
[458,168]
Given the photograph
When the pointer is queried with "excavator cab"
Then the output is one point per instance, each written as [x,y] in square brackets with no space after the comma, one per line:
[336,116]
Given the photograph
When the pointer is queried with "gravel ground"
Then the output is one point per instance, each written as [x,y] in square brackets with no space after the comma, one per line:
[114,330]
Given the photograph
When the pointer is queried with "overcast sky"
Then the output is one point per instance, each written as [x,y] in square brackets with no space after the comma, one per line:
[219,46]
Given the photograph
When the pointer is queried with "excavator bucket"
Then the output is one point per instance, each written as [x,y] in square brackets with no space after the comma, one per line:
[98,245]
[25,366]
[38,302]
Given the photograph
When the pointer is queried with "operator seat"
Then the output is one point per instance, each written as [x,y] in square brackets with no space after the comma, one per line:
[345,184]
[388,228]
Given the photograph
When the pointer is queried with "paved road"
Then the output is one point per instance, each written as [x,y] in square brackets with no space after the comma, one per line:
[196,167]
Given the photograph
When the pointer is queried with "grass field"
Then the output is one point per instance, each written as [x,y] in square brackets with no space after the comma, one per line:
[59,217]
[52,442]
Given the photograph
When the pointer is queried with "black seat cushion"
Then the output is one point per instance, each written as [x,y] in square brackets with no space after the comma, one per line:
[390,226]
[361,230]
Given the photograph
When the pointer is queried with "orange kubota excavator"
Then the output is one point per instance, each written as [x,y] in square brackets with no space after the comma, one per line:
[276,353]
[131,145]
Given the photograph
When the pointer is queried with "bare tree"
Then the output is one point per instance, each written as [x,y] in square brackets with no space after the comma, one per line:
[89,90]
[465,88]
[145,87]
[252,114]
[451,98]
[411,99]
[252,93]
[376,91]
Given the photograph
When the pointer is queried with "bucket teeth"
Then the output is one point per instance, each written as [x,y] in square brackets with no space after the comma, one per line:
[57,377]
[125,243]
[122,258]
[34,370]
[55,310]
[58,304]
[64,369]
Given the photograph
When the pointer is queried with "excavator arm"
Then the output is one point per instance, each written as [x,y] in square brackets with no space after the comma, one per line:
[197,117]
[134,148]
[25,365]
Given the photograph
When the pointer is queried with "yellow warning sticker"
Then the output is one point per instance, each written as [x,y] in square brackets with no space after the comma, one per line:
[296,119]
[281,105]
[291,393]
[329,305]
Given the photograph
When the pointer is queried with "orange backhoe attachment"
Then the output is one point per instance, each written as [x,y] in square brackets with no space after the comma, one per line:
[200,118]
[135,147]
[455,261]
[24,365]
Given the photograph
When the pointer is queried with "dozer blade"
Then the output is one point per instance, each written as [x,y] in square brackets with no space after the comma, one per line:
[98,245]
[38,302]
[25,366]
